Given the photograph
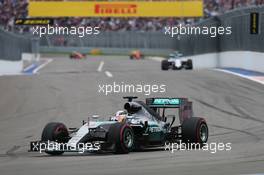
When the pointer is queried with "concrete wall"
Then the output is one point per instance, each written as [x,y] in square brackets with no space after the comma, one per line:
[240,59]
[16,67]
[10,67]
[243,59]
[204,60]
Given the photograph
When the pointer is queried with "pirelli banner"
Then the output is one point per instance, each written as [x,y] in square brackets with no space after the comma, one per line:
[193,8]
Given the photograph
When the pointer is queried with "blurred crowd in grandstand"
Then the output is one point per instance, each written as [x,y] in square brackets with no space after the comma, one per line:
[11,9]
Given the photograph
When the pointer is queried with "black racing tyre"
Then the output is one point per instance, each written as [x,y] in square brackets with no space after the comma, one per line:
[122,136]
[55,132]
[195,130]
[189,64]
[164,65]
[131,57]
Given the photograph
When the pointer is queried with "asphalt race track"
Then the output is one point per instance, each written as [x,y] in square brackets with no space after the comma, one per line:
[67,91]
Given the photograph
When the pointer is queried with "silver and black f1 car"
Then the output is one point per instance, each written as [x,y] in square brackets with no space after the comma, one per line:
[175,62]
[140,125]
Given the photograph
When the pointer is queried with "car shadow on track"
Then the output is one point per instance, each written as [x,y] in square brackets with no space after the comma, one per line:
[42,155]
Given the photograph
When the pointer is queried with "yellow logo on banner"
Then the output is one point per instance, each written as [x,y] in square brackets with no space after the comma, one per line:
[192,8]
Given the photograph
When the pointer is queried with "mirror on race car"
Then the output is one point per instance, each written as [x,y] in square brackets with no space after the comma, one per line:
[130,98]
[95,117]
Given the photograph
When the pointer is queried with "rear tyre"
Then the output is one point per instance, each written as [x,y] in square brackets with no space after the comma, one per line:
[164,65]
[131,57]
[195,130]
[122,136]
[55,132]
[189,64]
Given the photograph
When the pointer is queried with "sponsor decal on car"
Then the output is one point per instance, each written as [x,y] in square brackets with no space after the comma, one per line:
[166,101]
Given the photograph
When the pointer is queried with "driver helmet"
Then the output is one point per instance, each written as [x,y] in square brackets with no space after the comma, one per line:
[121,116]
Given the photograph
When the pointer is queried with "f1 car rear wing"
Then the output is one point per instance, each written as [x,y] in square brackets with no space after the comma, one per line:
[185,106]
[165,102]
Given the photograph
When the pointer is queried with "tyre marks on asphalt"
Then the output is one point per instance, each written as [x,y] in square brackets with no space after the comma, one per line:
[228,112]
[256,138]
[240,115]
[11,151]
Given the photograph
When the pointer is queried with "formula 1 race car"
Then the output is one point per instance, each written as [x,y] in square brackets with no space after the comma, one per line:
[140,125]
[136,54]
[175,62]
[77,55]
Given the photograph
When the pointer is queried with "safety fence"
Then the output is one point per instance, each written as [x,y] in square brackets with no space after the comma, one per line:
[240,39]
[13,45]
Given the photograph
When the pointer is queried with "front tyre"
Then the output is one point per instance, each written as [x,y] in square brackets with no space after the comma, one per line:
[165,65]
[189,64]
[122,136]
[56,132]
[195,130]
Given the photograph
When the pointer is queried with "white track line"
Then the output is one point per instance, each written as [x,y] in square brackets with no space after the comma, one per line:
[243,76]
[108,74]
[42,65]
[100,67]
